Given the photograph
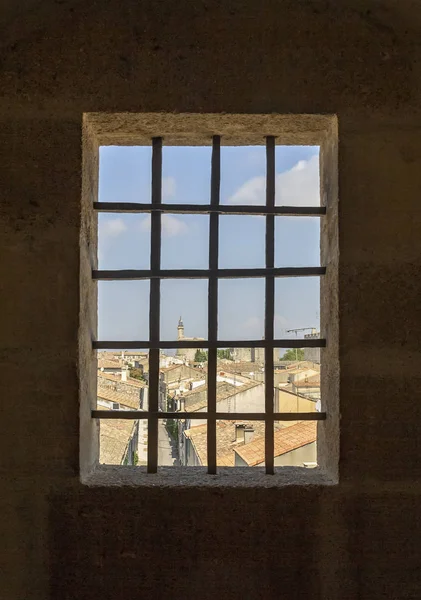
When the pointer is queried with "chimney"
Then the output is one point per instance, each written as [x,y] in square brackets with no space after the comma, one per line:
[248,434]
[239,432]
[182,404]
[123,374]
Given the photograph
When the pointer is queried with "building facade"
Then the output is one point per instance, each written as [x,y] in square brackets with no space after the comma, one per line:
[312,354]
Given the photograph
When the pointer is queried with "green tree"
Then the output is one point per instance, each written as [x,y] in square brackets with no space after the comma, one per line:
[136,374]
[224,354]
[172,428]
[200,356]
[294,354]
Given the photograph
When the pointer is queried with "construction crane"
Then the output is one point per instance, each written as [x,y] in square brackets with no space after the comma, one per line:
[312,329]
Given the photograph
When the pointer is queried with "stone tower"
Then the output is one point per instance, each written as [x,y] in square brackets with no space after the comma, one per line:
[180,329]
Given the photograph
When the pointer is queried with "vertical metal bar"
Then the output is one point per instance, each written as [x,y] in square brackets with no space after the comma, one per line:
[269,306]
[213,302]
[154,307]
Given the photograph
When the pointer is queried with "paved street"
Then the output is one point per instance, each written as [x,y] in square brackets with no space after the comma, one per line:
[167,452]
[143,442]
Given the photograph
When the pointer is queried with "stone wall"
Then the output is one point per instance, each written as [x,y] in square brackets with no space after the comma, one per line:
[60,539]
[182,373]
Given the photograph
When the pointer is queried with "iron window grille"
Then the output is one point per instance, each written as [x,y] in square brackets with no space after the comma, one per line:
[155,274]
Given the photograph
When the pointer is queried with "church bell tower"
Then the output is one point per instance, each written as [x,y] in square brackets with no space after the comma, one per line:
[180,329]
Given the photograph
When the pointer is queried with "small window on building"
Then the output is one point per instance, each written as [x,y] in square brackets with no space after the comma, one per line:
[213,307]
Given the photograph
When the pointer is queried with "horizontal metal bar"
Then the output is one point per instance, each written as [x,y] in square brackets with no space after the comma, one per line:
[135,345]
[131,274]
[223,209]
[221,416]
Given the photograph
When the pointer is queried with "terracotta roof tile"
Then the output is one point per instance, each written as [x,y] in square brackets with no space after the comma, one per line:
[198,372]
[109,363]
[239,367]
[225,440]
[313,381]
[286,440]
[224,390]
[114,438]
[130,380]
[113,396]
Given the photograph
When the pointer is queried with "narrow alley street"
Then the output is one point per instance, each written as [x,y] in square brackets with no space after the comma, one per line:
[167,449]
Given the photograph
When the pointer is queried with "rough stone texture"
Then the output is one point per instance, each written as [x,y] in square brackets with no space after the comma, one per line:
[327,431]
[88,296]
[360,539]
[197,129]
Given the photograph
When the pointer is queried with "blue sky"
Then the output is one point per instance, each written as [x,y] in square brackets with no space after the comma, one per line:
[124,241]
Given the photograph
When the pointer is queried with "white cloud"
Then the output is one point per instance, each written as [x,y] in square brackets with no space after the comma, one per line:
[297,187]
[300,186]
[251,192]
[169,187]
[171,226]
[112,228]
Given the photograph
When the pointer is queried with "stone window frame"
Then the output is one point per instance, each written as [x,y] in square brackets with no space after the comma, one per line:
[202,130]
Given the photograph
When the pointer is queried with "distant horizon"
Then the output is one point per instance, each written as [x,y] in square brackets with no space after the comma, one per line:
[171,352]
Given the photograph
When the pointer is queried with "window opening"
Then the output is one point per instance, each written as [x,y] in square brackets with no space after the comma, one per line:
[197,392]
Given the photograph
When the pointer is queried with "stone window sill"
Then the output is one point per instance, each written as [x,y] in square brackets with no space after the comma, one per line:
[227,477]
